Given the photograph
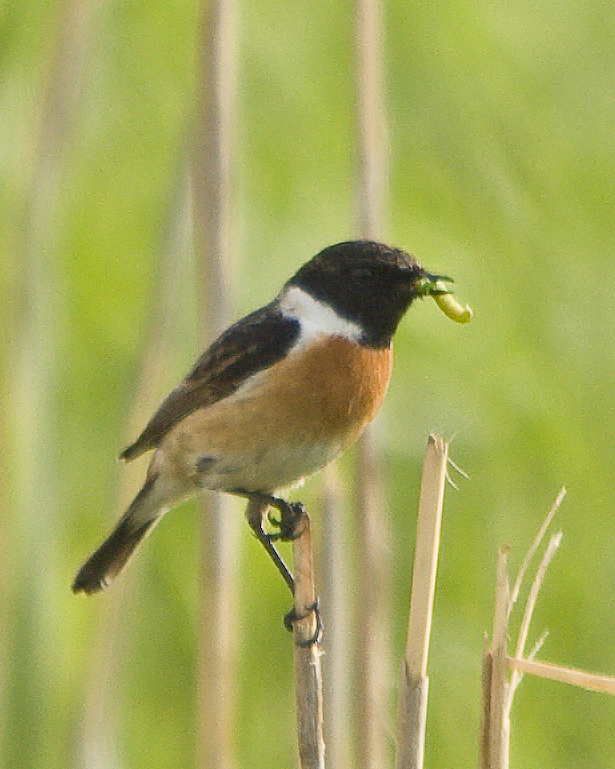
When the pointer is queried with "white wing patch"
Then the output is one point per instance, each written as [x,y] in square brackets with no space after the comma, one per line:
[317,318]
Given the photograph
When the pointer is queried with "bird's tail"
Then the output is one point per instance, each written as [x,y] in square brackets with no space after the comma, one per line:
[111,557]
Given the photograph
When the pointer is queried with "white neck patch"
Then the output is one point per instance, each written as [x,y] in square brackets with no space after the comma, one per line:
[317,318]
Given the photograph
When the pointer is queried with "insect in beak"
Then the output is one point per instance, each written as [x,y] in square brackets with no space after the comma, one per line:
[435,285]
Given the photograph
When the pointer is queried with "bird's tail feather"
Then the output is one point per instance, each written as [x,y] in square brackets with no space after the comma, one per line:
[111,557]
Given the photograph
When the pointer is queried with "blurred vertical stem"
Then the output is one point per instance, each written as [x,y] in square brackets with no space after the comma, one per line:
[212,182]
[333,579]
[374,537]
[100,718]
[36,383]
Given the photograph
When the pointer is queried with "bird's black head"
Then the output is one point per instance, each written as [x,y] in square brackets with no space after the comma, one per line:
[366,282]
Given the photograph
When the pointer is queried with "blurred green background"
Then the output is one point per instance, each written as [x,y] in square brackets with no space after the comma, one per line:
[502,141]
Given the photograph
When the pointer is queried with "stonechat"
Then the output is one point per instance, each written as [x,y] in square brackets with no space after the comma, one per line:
[279,395]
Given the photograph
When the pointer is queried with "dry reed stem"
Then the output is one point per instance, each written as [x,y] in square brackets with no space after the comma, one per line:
[98,724]
[308,674]
[38,333]
[534,547]
[371,113]
[334,584]
[413,680]
[497,701]
[485,712]
[538,645]
[38,312]
[499,725]
[372,647]
[426,555]
[591,681]
[373,650]
[524,628]
[212,177]
[212,163]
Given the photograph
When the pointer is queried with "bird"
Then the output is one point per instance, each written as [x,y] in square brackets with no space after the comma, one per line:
[278,396]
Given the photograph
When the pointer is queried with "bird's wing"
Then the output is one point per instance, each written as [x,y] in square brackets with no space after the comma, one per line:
[248,346]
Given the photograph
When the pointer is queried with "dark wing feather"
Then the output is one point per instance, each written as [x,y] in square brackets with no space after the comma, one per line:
[248,346]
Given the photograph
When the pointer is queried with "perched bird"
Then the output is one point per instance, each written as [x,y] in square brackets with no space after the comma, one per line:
[279,395]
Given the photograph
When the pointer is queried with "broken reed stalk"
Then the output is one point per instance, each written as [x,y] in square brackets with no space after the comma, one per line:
[514,594]
[495,726]
[212,176]
[524,628]
[499,724]
[530,604]
[498,691]
[413,679]
[591,681]
[308,673]
[485,710]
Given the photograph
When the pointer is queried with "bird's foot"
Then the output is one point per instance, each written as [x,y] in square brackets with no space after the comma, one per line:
[291,513]
[292,616]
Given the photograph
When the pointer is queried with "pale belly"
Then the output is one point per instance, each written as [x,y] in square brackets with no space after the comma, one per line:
[270,469]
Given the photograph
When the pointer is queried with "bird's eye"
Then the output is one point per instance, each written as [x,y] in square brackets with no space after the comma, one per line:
[361,274]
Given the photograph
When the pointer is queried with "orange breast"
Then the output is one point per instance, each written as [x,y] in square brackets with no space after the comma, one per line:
[286,422]
[334,387]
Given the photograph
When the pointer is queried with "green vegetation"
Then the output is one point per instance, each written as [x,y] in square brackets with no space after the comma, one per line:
[501,120]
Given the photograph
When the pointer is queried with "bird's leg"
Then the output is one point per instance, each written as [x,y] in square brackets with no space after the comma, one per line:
[257,505]
[291,515]
[290,512]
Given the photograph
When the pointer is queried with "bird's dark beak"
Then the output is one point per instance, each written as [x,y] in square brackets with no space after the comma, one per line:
[433,285]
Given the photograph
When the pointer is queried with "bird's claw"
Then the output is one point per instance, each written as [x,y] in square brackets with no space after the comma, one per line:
[292,616]
[277,522]
[291,513]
